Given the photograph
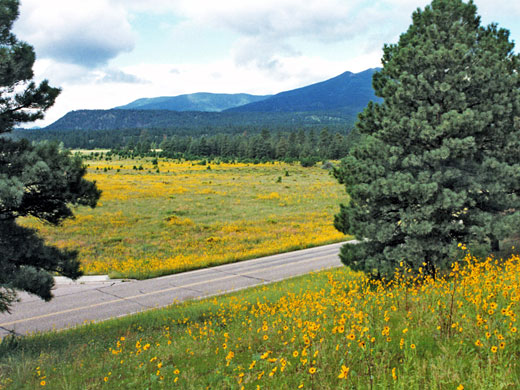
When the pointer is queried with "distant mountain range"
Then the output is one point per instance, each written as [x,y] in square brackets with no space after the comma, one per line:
[200,101]
[348,92]
[335,101]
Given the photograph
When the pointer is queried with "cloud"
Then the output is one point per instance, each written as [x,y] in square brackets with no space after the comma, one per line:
[262,51]
[118,76]
[86,33]
[270,31]
[60,73]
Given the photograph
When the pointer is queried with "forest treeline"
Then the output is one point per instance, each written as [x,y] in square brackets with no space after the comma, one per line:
[272,143]
[306,146]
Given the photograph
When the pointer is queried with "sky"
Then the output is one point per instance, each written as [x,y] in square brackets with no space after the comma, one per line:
[107,53]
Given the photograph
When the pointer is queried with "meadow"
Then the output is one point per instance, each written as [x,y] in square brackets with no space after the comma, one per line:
[164,216]
[329,330]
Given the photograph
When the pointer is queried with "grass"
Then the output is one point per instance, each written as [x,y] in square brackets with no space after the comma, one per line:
[328,330]
[170,217]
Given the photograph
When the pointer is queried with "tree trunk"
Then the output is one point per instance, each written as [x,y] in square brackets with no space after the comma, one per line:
[495,244]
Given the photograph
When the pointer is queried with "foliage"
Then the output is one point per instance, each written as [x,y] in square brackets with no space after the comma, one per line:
[329,330]
[440,161]
[200,142]
[20,99]
[308,161]
[39,181]
[35,180]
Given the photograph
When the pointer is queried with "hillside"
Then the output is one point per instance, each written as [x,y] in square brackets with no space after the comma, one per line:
[192,121]
[201,101]
[348,92]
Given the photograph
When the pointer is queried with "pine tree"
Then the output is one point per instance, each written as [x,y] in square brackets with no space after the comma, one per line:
[440,161]
[35,180]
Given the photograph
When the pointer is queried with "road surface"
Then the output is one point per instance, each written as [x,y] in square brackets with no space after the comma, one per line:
[101,299]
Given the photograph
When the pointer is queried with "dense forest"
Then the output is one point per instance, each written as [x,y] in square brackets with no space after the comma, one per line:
[308,147]
[267,140]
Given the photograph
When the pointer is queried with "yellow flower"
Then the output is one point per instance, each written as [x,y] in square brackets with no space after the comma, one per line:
[344,372]
[105,379]
[412,346]
[312,370]
[295,353]
[494,349]
[394,376]
[42,383]
[513,329]
[460,387]
[478,343]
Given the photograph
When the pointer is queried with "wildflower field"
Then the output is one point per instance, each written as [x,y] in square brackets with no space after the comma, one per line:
[160,217]
[328,330]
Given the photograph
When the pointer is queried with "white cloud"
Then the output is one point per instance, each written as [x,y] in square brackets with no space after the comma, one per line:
[267,29]
[88,33]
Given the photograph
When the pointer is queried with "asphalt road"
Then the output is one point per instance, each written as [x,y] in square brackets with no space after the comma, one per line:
[97,300]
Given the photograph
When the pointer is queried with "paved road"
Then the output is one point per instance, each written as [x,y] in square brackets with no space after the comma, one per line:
[78,303]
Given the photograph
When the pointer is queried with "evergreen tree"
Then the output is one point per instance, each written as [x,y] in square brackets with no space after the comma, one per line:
[35,180]
[440,160]
[294,145]
[20,100]
[324,144]
[282,148]
[338,148]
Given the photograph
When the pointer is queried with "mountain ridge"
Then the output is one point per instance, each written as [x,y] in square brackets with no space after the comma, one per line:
[199,101]
[347,91]
[333,101]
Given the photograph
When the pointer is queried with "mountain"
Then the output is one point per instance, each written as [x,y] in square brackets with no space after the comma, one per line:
[348,92]
[334,102]
[201,101]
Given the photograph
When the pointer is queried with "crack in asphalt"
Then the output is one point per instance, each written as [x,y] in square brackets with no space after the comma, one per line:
[125,299]
[187,288]
[242,275]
